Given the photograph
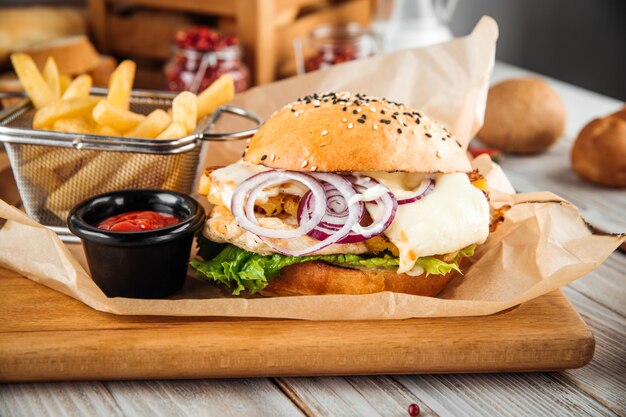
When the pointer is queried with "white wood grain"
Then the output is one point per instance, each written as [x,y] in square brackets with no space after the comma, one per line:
[89,399]
[604,377]
[354,396]
[220,398]
[514,395]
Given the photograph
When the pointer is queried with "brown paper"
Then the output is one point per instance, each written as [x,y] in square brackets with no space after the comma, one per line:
[543,244]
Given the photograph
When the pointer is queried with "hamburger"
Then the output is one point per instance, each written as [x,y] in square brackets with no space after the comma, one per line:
[343,194]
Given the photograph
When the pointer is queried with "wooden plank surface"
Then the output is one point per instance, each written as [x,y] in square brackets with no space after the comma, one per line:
[49,336]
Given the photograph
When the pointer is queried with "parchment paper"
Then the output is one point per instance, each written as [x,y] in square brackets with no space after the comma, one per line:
[543,244]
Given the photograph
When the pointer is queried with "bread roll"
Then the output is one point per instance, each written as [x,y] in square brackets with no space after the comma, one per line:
[73,55]
[599,153]
[327,133]
[318,278]
[523,115]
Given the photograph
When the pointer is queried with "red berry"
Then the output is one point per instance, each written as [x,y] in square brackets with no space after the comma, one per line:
[414,410]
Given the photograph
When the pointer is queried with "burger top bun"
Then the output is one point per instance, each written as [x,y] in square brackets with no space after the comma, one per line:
[599,153]
[344,132]
[523,115]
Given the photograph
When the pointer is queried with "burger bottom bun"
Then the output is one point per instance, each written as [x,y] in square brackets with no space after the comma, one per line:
[599,153]
[319,278]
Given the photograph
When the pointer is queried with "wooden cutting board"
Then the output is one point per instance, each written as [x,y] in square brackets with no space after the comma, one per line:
[45,335]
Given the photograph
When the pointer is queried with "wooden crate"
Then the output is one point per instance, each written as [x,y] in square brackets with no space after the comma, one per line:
[266,28]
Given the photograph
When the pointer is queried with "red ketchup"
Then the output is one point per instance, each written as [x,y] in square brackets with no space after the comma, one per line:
[138,221]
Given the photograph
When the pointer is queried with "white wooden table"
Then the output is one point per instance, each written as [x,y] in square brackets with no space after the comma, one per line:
[597,389]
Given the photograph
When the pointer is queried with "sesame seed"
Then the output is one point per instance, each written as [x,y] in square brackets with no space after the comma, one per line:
[324,132]
[429,135]
[373,109]
[304,163]
[272,157]
[354,112]
[358,110]
[399,130]
[344,120]
[263,157]
[350,125]
[296,114]
[439,154]
[360,120]
[459,143]
[443,139]
[375,127]
[344,109]
[313,168]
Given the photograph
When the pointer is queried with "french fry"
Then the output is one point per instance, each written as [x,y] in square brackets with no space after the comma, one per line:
[173,131]
[120,85]
[74,125]
[48,175]
[155,123]
[90,178]
[217,94]
[79,87]
[32,80]
[185,110]
[107,131]
[65,82]
[107,114]
[52,77]
[62,109]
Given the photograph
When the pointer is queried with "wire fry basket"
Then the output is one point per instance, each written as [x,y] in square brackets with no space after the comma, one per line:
[54,171]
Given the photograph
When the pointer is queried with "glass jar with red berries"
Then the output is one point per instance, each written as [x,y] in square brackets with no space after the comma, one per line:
[200,56]
[328,45]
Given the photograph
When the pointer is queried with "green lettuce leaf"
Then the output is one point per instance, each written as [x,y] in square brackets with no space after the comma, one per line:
[243,270]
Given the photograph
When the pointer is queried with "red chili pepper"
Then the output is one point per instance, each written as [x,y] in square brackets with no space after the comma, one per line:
[494,154]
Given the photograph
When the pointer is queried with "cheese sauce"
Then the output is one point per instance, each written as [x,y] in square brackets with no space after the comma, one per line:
[454,215]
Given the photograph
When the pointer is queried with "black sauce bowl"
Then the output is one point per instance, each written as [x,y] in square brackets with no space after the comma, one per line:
[146,264]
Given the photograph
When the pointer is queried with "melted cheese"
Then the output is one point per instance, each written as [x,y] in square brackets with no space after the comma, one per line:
[454,215]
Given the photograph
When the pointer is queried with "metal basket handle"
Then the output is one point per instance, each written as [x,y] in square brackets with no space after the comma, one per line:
[223,137]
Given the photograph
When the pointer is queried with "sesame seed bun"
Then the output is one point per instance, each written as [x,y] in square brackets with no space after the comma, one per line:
[343,133]
[319,278]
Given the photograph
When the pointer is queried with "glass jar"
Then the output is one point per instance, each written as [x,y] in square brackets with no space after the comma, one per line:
[193,70]
[328,45]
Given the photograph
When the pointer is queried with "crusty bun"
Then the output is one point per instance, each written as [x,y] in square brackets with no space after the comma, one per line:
[523,115]
[599,153]
[318,278]
[343,132]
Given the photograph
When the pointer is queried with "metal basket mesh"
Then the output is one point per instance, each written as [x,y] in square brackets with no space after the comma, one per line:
[52,180]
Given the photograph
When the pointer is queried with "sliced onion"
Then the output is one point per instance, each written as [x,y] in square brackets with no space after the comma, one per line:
[251,188]
[426,187]
[386,203]
[335,217]
[347,192]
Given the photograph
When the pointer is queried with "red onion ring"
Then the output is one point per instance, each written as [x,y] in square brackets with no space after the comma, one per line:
[251,188]
[347,191]
[426,187]
[386,200]
[334,218]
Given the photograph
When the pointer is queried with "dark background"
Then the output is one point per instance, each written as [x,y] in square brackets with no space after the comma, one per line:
[582,42]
